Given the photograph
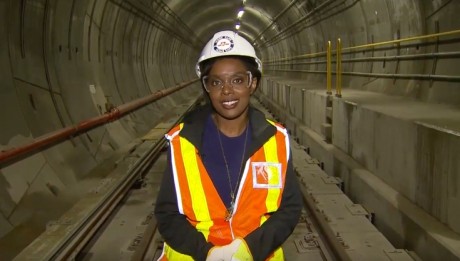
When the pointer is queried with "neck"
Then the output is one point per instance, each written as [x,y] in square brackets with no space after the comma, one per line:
[231,128]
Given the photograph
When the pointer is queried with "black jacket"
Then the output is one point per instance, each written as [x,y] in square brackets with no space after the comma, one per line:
[183,237]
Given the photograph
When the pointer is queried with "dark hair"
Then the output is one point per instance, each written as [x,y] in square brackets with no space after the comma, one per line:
[249,62]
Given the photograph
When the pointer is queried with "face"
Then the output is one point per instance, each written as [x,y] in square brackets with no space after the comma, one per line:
[231,101]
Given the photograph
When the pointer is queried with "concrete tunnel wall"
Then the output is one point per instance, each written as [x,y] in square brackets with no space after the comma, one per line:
[66,61]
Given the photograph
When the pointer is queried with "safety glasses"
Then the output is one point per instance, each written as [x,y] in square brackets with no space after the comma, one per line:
[238,81]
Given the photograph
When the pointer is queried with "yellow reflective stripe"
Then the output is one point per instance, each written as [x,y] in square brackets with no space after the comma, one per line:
[278,255]
[262,220]
[271,155]
[243,252]
[172,254]
[199,202]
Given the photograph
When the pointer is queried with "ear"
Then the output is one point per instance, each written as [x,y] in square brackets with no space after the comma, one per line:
[254,85]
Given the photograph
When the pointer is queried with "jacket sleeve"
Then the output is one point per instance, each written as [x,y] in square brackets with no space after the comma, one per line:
[172,225]
[272,234]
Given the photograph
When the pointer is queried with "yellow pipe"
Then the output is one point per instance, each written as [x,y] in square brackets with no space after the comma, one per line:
[328,69]
[402,40]
[309,55]
[338,83]
[421,37]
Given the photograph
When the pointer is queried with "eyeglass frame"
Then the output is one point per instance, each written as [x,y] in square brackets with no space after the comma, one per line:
[203,81]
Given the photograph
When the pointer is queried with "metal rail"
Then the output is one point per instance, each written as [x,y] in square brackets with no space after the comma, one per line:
[395,44]
[365,47]
[74,238]
[441,78]
[64,239]
[404,57]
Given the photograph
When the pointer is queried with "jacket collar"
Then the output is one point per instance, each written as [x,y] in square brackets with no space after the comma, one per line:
[194,123]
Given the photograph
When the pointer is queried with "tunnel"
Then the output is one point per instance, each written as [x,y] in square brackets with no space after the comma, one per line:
[369,88]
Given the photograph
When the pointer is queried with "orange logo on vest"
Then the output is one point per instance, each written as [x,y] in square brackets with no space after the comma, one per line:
[266,175]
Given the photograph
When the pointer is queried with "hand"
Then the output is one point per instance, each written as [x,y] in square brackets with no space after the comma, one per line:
[215,254]
[224,253]
[242,252]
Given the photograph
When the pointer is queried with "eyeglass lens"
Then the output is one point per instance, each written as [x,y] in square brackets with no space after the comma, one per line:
[238,81]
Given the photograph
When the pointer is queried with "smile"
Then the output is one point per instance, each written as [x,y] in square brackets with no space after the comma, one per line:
[230,103]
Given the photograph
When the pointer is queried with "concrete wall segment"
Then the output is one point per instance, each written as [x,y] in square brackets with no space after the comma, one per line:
[11,116]
[399,145]
[38,109]
[438,171]
[419,166]
[70,171]
[394,151]
[45,186]
[16,184]
[406,24]
[25,37]
[382,144]
[75,76]
[296,100]
[31,216]
[5,226]
[317,108]
[404,224]
[341,116]
[94,31]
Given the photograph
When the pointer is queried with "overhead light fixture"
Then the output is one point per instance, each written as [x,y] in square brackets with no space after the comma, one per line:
[240,14]
[237,26]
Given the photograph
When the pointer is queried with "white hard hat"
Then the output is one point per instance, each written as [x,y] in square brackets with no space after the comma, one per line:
[226,43]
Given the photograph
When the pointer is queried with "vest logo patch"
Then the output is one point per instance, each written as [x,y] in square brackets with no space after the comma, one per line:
[266,175]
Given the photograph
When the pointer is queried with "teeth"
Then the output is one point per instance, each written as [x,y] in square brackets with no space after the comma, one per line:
[230,102]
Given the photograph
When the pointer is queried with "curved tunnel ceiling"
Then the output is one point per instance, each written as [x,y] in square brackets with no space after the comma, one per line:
[205,24]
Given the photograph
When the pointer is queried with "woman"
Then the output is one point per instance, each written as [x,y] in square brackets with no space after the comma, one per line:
[229,191]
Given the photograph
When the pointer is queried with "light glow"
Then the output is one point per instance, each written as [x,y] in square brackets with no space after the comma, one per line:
[237,26]
[240,14]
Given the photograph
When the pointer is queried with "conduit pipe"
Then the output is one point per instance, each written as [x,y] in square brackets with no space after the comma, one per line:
[365,47]
[52,138]
[406,57]
[274,20]
[328,69]
[338,71]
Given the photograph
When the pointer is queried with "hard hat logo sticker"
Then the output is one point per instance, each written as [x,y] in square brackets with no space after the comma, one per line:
[223,44]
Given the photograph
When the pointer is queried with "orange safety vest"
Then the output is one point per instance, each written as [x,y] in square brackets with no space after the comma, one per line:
[259,191]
